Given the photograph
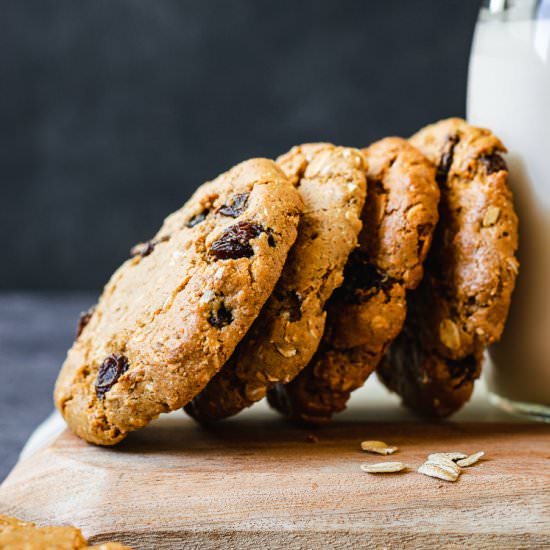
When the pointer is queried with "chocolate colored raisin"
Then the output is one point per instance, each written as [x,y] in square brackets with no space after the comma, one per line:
[294,306]
[221,317]
[236,207]
[112,368]
[84,319]
[463,370]
[271,239]
[493,163]
[446,160]
[235,241]
[198,218]
[144,249]
[362,279]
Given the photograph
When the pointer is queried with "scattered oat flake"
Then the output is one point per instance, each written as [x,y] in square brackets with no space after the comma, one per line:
[383,467]
[377,447]
[470,460]
[451,456]
[312,438]
[435,470]
[446,464]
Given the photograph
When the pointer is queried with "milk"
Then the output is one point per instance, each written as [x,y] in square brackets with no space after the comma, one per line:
[509,92]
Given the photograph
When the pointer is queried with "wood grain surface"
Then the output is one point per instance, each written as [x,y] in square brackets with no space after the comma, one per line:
[258,482]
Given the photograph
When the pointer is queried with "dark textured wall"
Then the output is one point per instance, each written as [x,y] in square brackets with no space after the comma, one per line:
[113,111]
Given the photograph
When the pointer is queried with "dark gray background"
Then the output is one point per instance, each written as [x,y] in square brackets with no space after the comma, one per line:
[113,111]
[35,331]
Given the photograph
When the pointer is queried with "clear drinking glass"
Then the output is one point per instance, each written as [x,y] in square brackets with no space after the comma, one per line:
[509,92]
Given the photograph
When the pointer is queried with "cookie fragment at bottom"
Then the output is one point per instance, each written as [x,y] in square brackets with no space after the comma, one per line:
[17,534]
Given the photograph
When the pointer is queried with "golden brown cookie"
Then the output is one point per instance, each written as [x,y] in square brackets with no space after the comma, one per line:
[462,303]
[18,535]
[172,314]
[368,311]
[284,337]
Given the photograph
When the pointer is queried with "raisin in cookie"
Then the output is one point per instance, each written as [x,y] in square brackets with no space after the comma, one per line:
[172,314]
[17,535]
[286,334]
[368,311]
[462,303]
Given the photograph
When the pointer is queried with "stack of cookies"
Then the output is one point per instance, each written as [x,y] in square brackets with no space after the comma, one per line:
[295,279]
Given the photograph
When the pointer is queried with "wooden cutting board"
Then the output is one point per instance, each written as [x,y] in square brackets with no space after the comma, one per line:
[256,482]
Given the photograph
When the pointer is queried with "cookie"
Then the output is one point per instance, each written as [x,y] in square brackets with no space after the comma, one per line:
[284,337]
[16,534]
[462,303]
[173,313]
[368,311]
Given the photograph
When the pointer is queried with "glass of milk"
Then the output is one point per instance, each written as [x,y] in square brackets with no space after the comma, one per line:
[509,92]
